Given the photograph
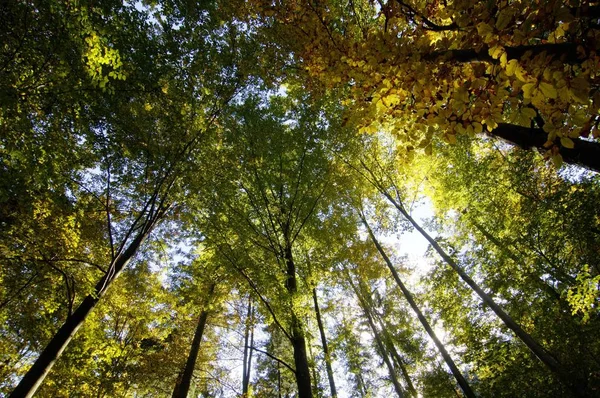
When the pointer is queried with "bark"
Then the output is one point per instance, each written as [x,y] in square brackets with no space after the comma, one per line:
[585,153]
[552,363]
[325,347]
[462,382]
[42,366]
[182,386]
[297,336]
[378,340]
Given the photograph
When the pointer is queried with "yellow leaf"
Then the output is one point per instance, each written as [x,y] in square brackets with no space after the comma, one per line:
[496,51]
[548,90]
[528,90]
[521,74]
[567,142]
[557,160]
[484,29]
[528,112]
[504,18]
[511,67]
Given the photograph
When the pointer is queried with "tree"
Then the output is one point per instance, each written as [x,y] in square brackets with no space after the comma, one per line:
[519,253]
[464,385]
[519,71]
[146,141]
[324,343]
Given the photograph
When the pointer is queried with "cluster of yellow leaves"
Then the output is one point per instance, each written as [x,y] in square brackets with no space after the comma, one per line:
[400,75]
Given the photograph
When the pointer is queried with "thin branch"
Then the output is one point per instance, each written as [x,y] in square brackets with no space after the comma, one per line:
[275,358]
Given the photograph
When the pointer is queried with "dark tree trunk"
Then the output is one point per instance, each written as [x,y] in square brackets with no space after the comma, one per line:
[42,366]
[248,344]
[297,336]
[585,153]
[567,52]
[325,347]
[182,386]
[462,382]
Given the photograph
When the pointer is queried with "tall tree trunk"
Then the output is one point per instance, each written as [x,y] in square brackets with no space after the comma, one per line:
[462,382]
[182,386]
[297,337]
[360,294]
[42,366]
[325,348]
[576,386]
[248,343]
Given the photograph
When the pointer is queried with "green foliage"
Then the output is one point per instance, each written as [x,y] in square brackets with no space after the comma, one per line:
[238,138]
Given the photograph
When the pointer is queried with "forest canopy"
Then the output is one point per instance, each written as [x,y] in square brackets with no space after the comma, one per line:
[295,198]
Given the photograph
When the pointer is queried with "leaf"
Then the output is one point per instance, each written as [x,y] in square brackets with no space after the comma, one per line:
[548,90]
[504,18]
[567,142]
[521,74]
[511,67]
[528,90]
[557,160]
[484,29]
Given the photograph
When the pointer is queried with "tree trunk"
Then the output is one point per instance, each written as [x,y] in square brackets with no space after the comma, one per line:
[567,52]
[297,336]
[325,348]
[464,385]
[384,355]
[248,338]
[42,366]
[182,386]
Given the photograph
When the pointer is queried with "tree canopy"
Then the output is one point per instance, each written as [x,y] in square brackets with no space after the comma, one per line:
[226,198]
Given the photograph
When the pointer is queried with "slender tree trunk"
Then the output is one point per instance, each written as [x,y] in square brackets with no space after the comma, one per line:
[380,345]
[325,347]
[297,337]
[248,338]
[182,386]
[42,366]
[462,382]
